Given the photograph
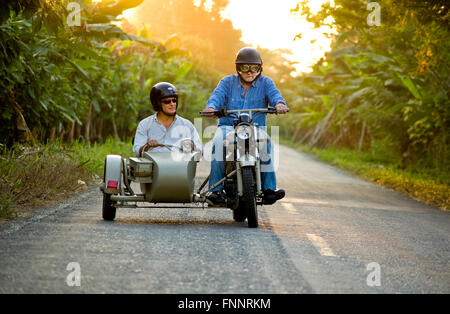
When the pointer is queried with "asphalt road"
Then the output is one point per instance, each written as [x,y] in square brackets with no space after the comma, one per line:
[333,233]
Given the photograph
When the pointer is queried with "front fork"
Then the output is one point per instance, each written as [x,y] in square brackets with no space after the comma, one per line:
[258,178]
[241,160]
[249,161]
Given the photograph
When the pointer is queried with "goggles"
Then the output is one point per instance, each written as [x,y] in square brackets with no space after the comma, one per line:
[249,68]
[168,101]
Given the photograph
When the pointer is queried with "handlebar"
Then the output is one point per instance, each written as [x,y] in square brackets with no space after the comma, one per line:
[182,147]
[224,112]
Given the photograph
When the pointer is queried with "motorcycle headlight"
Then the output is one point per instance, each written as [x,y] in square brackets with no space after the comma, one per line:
[244,132]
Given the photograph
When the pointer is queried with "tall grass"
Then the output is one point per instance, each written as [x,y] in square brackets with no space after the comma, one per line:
[38,175]
[92,155]
[424,184]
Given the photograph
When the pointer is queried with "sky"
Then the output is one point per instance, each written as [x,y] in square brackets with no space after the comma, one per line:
[270,24]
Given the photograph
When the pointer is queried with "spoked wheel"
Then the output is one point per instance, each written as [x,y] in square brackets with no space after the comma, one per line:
[108,210]
[249,200]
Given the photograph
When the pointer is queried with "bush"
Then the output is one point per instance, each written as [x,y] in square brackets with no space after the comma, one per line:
[39,175]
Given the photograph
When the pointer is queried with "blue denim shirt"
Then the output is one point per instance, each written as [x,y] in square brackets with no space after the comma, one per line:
[230,93]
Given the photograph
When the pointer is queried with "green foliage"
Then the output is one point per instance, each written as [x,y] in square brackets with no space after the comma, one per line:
[381,84]
[89,81]
[92,155]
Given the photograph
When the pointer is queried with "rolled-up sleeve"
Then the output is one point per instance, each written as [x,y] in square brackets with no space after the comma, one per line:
[219,96]
[273,94]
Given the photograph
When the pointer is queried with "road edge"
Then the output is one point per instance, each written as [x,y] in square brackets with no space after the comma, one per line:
[13,225]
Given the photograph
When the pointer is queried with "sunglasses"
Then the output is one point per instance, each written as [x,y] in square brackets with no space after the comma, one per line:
[168,101]
[249,68]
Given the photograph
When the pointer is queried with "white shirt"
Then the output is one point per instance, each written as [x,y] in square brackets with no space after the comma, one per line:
[151,129]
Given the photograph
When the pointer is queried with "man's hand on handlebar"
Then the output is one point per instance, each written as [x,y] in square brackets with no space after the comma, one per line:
[209,112]
[281,108]
[153,143]
[148,145]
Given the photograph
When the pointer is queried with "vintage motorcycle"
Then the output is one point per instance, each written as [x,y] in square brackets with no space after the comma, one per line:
[242,181]
[169,177]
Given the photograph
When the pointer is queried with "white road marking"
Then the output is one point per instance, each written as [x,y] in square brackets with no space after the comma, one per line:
[289,207]
[304,201]
[320,244]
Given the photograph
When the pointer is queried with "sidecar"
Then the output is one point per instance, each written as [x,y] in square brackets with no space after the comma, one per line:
[164,177]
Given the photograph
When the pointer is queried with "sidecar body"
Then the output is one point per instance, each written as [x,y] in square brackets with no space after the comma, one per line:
[163,177]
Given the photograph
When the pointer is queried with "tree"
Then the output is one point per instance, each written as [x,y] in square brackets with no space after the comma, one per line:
[201,30]
[90,80]
[382,84]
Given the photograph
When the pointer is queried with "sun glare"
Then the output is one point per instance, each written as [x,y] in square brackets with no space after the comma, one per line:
[270,24]
[127,14]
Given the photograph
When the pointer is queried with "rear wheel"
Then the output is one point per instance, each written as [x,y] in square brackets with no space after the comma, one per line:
[248,198]
[108,210]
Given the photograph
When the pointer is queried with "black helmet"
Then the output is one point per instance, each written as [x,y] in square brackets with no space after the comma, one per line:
[248,55]
[159,91]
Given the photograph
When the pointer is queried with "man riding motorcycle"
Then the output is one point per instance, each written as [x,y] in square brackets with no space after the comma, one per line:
[246,90]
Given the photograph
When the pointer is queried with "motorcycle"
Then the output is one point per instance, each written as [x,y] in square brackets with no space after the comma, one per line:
[242,181]
[169,177]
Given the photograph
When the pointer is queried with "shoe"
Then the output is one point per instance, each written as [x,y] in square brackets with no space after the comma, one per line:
[271,196]
[217,198]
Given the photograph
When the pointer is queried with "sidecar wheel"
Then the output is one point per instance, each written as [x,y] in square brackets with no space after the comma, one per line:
[108,211]
[249,197]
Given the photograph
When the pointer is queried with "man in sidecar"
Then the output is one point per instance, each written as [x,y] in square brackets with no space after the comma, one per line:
[164,129]
[163,132]
[246,90]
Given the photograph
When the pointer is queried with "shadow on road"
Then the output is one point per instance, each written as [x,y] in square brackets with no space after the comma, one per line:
[175,222]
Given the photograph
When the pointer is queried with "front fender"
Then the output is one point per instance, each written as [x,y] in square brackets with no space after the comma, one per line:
[111,179]
[247,161]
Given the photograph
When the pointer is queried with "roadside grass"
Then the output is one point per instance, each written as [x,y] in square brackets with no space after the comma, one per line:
[92,155]
[426,185]
[41,175]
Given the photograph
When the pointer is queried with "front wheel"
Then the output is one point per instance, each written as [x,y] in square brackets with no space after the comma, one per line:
[239,213]
[249,199]
[108,210]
